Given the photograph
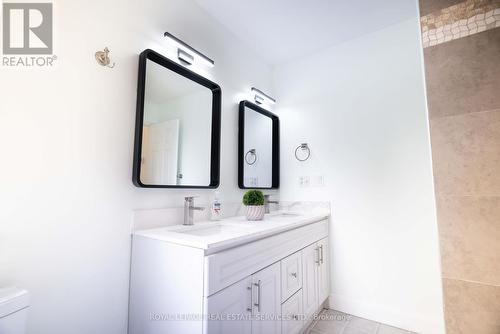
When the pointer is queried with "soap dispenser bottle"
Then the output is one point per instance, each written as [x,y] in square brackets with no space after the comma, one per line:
[216,212]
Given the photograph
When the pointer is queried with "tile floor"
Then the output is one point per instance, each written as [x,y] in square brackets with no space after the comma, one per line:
[335,322]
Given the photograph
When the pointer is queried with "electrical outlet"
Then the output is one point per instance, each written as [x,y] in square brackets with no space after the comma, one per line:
[304,181]
[318,181]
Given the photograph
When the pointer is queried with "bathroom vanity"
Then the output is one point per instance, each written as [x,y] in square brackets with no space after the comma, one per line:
[230,276]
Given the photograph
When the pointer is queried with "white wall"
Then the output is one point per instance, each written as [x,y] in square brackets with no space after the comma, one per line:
[361,107]
[66,139]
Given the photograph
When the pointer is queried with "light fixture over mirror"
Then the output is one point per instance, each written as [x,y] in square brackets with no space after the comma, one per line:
[262,98]
[187,54]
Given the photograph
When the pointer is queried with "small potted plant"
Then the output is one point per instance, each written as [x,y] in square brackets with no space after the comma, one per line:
[254,203]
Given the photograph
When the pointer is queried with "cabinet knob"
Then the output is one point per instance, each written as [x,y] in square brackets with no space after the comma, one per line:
[294,275]
[295,317]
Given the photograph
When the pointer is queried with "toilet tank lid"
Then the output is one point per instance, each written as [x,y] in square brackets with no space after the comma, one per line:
[12,299]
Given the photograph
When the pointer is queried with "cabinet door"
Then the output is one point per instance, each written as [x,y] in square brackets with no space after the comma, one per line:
[291,275]
[323,271]
[291,311]
[310,264]
[267,300]
[224,306]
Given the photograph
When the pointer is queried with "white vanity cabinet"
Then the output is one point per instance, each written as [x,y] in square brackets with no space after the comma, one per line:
[267,300]
[291,311]
[310,279]
[256,297]
[323,270]
[236,299]
[291,275]
[316,276]
[263,286]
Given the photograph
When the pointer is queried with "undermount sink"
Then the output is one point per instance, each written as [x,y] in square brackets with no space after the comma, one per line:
[286,214]
[234,228]
[213,230]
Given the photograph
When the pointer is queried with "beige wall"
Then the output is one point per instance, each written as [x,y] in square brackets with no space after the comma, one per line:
[463,90]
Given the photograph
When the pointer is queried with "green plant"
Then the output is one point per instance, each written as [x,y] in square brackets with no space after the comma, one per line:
[253,197]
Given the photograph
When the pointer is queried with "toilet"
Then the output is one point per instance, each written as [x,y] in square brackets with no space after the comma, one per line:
[14,303]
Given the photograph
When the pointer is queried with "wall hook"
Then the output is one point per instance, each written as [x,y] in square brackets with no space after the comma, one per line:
[103,59]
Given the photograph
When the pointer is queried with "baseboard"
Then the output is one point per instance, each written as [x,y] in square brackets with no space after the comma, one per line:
[310,324]
[385,315]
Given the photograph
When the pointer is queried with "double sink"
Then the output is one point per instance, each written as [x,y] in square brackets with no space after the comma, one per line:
[230,232]
[231,226]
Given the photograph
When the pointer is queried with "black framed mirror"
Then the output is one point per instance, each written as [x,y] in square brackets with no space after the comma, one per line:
[177,131]
[258,147]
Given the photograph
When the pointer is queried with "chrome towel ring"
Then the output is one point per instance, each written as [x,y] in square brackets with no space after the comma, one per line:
[248,156]
[304,147]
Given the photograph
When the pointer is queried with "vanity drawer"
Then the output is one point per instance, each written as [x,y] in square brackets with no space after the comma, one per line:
[291,312]
[291,275]
[227,267]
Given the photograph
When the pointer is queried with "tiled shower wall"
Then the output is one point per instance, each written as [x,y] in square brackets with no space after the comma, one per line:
[463,90]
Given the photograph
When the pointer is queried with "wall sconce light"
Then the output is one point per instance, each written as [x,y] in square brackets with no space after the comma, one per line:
[260,97]
[187,54]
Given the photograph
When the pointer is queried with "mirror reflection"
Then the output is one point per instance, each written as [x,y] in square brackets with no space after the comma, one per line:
[259,156]
[258,150]
[177,127]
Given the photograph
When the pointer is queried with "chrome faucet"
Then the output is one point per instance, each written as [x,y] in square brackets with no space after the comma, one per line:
[189,209]
[267,202]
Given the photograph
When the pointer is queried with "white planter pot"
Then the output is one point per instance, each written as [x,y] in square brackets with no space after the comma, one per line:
[255,212]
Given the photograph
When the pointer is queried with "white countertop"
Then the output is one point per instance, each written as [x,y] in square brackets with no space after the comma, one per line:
[231,232]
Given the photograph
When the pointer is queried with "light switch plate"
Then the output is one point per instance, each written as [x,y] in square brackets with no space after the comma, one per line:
[304,181]
[318,181]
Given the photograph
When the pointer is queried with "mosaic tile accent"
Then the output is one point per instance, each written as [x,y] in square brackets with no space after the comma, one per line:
[461,20]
